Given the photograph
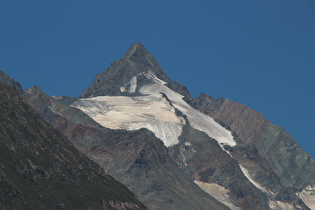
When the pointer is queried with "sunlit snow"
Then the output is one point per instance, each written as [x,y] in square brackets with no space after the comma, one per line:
[218,192]
[131,86]
[151,111]
[248,176]
[131,113]
[197,119]
[308,196]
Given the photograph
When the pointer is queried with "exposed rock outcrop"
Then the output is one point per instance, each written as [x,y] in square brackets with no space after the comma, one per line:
[292,165]
[270,146]
[11,82]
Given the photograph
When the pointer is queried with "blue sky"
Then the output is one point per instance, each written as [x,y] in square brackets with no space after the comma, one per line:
[259,53]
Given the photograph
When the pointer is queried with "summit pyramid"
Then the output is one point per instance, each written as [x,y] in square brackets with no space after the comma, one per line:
[136,60]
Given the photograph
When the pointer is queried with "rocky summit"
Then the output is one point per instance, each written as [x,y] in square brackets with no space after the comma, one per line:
[178,152]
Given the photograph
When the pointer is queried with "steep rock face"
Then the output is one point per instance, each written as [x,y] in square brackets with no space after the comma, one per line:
[250,123]
[41,169]
[261,172]
[294,169]
[208,163]
[206,104]
[293,166]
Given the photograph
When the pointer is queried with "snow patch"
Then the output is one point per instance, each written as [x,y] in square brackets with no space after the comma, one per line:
[308,196]
[54,111]
[149,75]
[218,192]
[131,86]
[281,205]
[187,143]
[248,176]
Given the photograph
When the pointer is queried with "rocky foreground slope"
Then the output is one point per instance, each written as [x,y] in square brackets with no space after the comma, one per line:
[41,169]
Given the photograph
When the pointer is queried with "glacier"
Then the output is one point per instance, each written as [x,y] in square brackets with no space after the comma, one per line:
[152,111]
[198,120]
[131,113]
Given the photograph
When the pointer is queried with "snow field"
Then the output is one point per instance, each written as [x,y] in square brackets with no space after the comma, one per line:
[131,113]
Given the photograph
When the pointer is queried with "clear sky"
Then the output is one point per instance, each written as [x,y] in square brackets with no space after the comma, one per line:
[260,53]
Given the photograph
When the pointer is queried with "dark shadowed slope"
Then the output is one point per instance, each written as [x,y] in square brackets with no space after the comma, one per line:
[41,169]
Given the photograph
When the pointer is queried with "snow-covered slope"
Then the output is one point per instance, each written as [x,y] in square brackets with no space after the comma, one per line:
[131,113]
[151,111]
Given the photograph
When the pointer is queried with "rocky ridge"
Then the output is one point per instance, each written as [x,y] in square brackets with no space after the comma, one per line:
[11,82]
[294,169]
[40,168]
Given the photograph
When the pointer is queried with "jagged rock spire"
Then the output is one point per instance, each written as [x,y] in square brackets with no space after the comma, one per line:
[135,60]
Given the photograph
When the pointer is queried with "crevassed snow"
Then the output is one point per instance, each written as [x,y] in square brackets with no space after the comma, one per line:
[197,119]
[167,132]
[131,113]
[149,75]
[91,107]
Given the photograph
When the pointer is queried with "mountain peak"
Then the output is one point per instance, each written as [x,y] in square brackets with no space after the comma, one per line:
[139,55]
[136,60]
[137,46]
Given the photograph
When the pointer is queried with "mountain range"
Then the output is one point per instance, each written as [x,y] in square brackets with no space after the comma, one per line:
[171,150]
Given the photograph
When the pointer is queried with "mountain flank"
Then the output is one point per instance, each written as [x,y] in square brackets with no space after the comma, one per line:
[136,158]
[41,169]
